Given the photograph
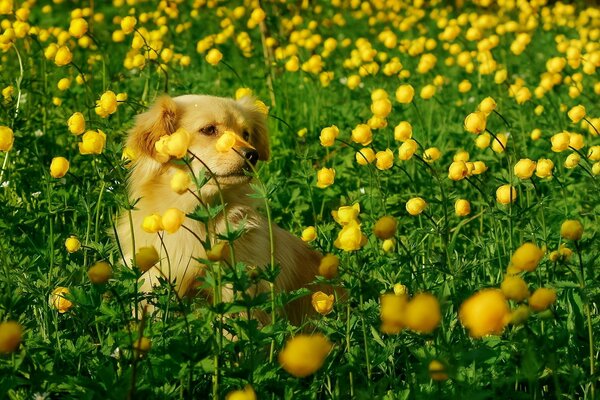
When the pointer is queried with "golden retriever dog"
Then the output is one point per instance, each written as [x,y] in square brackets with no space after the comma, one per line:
[206,118]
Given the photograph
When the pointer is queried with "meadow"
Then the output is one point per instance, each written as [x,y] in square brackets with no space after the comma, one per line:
[444,155]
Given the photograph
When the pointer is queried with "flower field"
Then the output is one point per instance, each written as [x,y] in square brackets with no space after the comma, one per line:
[443,156]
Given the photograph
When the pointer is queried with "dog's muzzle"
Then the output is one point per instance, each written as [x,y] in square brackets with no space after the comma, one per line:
[249,154]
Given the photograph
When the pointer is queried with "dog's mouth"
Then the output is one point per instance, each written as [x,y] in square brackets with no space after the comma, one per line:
[233,178]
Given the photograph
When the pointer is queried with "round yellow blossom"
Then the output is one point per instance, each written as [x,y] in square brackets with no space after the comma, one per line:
[487,105]
[400,289]
[78,27]
[7,138]
[11,333]
[403,131]
[422,313]
[571,229]
[92,142]
[384,159]
[226,142]
[560,141]
[526,257]
[63,56]
[381,107]
[407,150]
[100,272]
[458,170]
[462,207]
[303,355]
[362,134]
[214,56]
[346,214]
[506,194]
[388,245]
[146,258]
[437,371]
[484,313]
[542,299]
[576,141]
[243,394]
[107,104]
[576,113]
[59,167]
[353,81]
[219,251]
[309,234]
[427,92]
[328,135]
[172,219]
[72,244]
[325,177]
[152,223]
[63,84]
[328,267]
[385,227]
[322,302]
[514,288]
[405,94]
[524,168]
[365,156]
[519,315]
[180,181]
[142,346]
[479,167]
[415,206]
[594,153]
[464,86]
[461,156]
[572,160]
[475,122]
[58,301]
[350,238]
[432,154]
[392,312]
[128,24]
[499,142]
[544,168]
[536,134]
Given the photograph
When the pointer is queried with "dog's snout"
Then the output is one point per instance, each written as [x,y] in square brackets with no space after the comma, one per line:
[249,154]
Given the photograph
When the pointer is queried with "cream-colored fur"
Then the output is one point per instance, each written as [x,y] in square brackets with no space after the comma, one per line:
[149,184]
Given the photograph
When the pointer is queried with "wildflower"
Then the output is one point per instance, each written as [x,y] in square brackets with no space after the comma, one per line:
[576,141]
[63,84]
[146,258]
[303,355]
[152,223]
[437,370]
[385,159]
[325,177]
[128,24]
[405,94]
[350,238]
[400,289]
[526,257]
[475,122]
[178,143]
[11,334]
[362,134]
[560,141]
[544,168]
[572,160]
[407,150]
[506,194]
[58,301]
[594,153]
[462,207]
[427,92]
[172,220]
[422,313]
[78,27]
[487,105]
[365,156]
[542,299]
[346,214]
[388,245]
[107,104]
[524,168]
[458,170]
[93,142]
[479,167]
[514,288]
[180,181]
[328,135]
[59,167]
[100,272]
[72,244]
[218,252]
[415,206]
[576,113]
[385,227]
[536,134]
[432,154]
[76,123]
[7,92]
[484,313]
[392,313]
[63,56]
[322,303]
[309,234]
[142,346]
[328,267]
[214,56]
[226,142]
[403,131]
[7,138]
[243,394]
[571,229]
[381,108]
[499,143]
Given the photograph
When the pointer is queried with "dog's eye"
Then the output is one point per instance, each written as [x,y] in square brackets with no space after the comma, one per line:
[209,130]
[246,135]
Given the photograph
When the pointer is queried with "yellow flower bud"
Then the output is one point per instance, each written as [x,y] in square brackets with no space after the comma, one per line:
[11,333]
[405,94]
[514,288]
[365,156]
[325,177]
[350,238]
[384,159]
[432,154]
[322,303]
[388,245]
[526,257]
[457,171]
[72,244]
[328,135]
[226,142]
[381,108]
[328,267]
[107,103]
[437,371]
[571,229]
[560,141]
[100,272]
[475,122]
[152,223]
[385,227]
[128,24]
[594,153]
[392,312]
[309,234]
[544,168]
[7,138]
[218,252]
[572,160]
[172,220]
[142,346]
[63,56]
[506,194]
[304,354]
[415,206]
[146,258]
[407,150]
[362,134]
[576,113]
[214,56]
[487,105]
[422,313]
[180,182]
[403,131]
[462,207]
[499,143]
[58,300]
[484,313]
[59,167]
[524,168]
[542,299]
[78,27]
[346,214]
[93,142]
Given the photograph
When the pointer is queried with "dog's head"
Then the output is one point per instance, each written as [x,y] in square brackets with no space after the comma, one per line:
[206,118]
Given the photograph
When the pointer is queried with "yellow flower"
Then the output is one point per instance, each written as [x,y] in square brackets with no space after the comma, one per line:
[487,105]
[7,92]
[346,214]
[432,154]
[458,170]
[93,142]
[7,138]
[385,159]
[243,92]
[594,153]
[366,156]
[322,303]
[422,314]
[576,141]
[350,238]
[362,134]
[479,167]
[462,207]
[244,394]
[152,223]
[76,123]
[325,177]
[142,346]
[464,86]
[560,141]
[59,167]
[146,258]
[514,288]
[63,56]
[11,333]
[328,135]
[485,313]
[526,257]
[214,56]
[226,142]
[437,370]
[381,108]
[415,206]
[407,150]
[572,160]
[180,181]
[475,122]
[403,131]
[392,312]
[506,194]
[128,24]
[400,289]
[63,84]
[544,168]
[178,143]
[309,234]
[405,94]
[58,301]
[303,355]
[107,104]
[72,244]
[427,92]
[78,27]
[576,113]
[524,168]
[172,220]
[571,229]
[499,143]
[519,315]
[219,251]
[388,245]
[385,227]
[328,267]
[542,299]
[6,7]
[100,272]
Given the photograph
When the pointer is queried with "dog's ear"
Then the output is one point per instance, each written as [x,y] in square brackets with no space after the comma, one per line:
[260,132]
[159,120]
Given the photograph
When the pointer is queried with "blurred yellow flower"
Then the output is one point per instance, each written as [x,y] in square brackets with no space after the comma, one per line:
[59,167]
[226,142]
[214,56]
[322,302]
[172,219]
[576,113]
[100,272]
[350,238]
[403,131]
[405,94]
[78,27]
[560,141]
[571,229]
[385,227]
[458,170]
[499,142]
[152,223]
[422,313]
[514,288]
[63,56]
[72,244]
[365,156]
[7,138]
[526,257]
[485,313]
[437,371]
[243,394]
[146,258]
[128,24]
[11,333]
[487,105]
[381,108]
[407,149]
[542,299]
[475,122]
[58,301]
[303,355]
[180,181]
[392,312]
[328,267]
[462,207]
[572,160]
[219,251]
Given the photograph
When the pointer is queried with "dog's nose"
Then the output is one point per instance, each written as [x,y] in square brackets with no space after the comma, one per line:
[249,154]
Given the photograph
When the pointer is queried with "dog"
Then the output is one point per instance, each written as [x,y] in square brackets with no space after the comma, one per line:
[207,118]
